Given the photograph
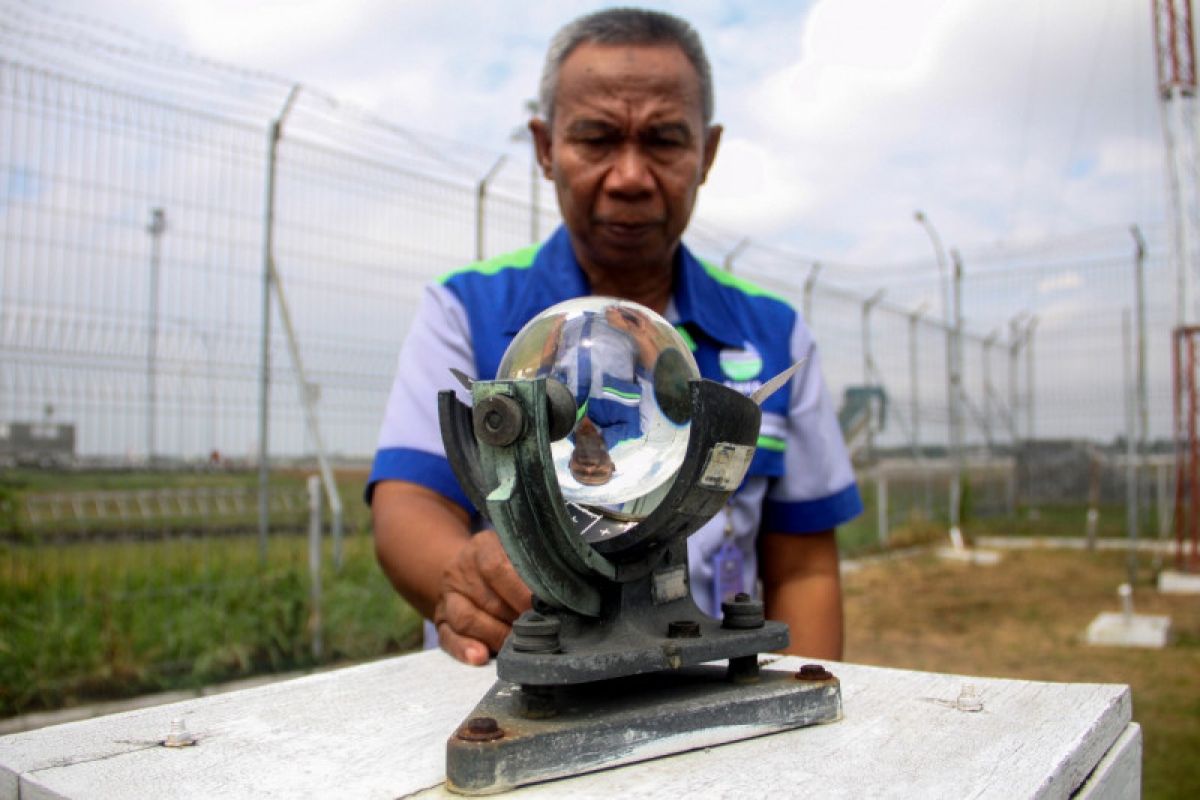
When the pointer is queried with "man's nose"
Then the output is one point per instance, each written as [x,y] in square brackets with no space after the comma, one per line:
[630,172]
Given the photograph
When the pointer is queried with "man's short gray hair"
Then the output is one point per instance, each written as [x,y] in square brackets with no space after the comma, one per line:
[626,26]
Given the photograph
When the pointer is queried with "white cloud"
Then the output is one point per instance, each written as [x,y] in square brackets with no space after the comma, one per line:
[1001,120]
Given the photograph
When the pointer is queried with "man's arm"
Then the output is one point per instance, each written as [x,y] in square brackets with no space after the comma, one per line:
[464,583]
[802,587]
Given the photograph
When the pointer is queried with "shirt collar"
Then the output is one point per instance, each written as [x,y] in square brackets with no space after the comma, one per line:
[700,301]
[556,276]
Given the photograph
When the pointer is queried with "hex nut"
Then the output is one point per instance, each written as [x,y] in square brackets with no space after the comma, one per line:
[742,613]
[536,633]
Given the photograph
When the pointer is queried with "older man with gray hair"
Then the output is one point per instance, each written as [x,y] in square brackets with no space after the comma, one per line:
[627,138]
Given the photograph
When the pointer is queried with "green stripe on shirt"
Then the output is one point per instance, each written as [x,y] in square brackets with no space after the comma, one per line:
[772,443]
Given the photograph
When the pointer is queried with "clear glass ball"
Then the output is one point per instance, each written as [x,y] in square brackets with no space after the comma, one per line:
[628,371]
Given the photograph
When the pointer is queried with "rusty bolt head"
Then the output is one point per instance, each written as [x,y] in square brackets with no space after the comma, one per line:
[813,672]
[480,729]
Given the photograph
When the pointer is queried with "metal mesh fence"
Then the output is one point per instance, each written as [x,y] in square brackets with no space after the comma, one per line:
[131,287]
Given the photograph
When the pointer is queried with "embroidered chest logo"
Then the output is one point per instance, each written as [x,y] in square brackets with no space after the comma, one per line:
[741,365]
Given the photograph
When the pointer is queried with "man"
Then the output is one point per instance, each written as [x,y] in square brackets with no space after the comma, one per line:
[627,139]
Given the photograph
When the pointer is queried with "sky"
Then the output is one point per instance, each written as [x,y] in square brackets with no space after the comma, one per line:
[1012,124]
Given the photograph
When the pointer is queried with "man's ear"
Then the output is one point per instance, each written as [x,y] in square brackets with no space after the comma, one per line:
[541,143]
[712,140]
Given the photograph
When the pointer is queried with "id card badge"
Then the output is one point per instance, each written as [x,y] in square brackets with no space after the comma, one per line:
[727,563]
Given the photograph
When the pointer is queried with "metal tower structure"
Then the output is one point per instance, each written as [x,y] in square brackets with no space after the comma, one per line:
[1175,50]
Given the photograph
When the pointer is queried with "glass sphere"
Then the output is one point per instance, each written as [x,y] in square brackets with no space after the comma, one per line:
[628,370]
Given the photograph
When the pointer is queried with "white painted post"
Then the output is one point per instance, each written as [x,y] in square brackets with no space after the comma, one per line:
[1125,592]
[314,565]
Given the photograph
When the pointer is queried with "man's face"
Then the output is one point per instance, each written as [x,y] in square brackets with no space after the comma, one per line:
[627,152]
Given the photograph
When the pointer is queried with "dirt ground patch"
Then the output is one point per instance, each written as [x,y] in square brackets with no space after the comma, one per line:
[1025,619]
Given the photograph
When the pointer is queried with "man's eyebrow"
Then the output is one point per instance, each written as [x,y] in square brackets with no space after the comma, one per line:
[671,128]
[582,126]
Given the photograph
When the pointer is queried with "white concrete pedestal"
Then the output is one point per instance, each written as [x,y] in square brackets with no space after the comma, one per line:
[970,555]
[1173,582]
[1115,629]
[379,731]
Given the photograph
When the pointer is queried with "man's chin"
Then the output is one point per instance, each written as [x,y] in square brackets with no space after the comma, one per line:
[620,254]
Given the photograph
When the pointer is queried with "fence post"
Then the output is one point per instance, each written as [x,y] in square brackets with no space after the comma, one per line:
[956,397]
[156,228]
[480,201]
[914,381]
[1029,407]
[1139,274]
[810,283]
[1131,492]
[988,391]
[314,566]
[869,364]
[732,255]
[881,506]
[264,363]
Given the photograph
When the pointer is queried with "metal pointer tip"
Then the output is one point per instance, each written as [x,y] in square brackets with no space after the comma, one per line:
[770,387]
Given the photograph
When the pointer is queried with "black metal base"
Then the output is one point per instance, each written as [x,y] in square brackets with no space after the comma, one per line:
[516,737]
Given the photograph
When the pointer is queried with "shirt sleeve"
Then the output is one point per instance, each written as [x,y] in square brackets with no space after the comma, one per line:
[410,441]
[817,491]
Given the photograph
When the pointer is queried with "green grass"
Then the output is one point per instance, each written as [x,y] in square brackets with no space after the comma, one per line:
[87,621]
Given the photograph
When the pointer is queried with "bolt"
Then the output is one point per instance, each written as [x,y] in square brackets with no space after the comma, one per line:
[480,729]
[683,629]
[968,699]
[178,735]
[813,672]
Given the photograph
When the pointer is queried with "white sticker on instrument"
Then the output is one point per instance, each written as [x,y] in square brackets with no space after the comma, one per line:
[726,466]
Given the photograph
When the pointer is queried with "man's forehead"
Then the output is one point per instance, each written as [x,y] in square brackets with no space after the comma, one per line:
[661,74]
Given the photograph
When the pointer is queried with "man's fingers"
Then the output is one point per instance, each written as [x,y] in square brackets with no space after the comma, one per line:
[499,575]
[463,648]
[467,619]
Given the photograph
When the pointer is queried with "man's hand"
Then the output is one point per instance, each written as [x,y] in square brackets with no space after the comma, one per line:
[464,583]
[481,595]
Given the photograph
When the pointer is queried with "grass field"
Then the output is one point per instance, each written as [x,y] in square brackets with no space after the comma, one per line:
[140,613]
[1025,619]
[178,607]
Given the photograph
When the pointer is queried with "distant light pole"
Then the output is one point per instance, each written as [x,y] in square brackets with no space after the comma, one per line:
[156,228]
